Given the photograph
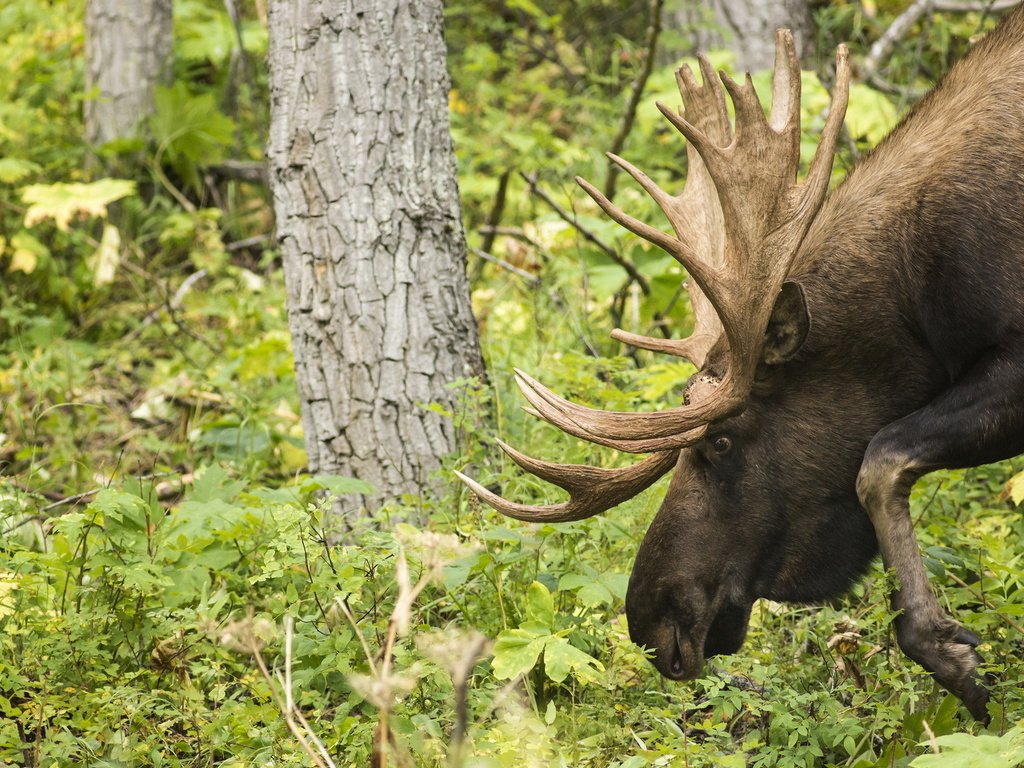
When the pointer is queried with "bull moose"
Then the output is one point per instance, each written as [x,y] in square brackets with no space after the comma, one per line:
[846,344]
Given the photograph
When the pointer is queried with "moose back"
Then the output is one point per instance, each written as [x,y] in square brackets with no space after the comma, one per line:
[847,345]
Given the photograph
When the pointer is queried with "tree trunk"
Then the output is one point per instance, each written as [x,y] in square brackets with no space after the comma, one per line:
[128,46]
[368,219]
[746,27]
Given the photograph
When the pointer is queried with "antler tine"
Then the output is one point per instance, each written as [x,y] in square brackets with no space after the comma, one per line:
[785,83]
[679,248]
[816,183]
[592,490]
[629,432]
[694,347]
[766,215]
[695,215]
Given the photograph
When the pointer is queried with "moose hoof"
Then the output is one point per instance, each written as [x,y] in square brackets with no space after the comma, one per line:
[947,651]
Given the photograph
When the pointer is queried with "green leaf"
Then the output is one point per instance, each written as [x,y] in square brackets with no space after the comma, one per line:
[561,658]
[540,606]
[26,253]
[594,593]
[963,750]
[189,130]
[338,485]
[14,169]
[870,115]
[516,650]
[213,484]
[124,508]
[1015,488]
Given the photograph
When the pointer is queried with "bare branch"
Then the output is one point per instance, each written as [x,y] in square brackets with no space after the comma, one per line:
[884,45]
[637,89]
[531,279]
[570,218]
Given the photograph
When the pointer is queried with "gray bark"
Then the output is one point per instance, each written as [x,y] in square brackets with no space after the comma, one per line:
[368,219]
[746,27]
[128,46]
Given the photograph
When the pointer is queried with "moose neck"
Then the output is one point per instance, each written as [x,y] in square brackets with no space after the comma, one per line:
[887,268]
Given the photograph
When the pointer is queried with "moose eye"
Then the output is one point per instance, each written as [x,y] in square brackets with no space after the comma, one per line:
[722,445]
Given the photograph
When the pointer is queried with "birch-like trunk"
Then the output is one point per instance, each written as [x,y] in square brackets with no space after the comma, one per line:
[128,46]
[746,27]
[364,182]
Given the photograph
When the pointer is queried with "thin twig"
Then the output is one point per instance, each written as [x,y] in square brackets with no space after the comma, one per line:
[515,232]
[247,242]
[249,171]
[651,45]
[571,218]
[282,706]
[494,217]
[531,279]
[289,631]
[883,46]
[982,6]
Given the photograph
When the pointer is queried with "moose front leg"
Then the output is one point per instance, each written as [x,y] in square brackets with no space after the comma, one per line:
[978,420]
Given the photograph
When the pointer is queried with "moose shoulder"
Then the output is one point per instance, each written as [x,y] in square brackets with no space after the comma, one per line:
[847,346]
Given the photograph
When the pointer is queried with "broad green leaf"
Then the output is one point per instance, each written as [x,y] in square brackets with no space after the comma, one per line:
[540,606]
[561,658]
[871,115]
[122,507]
[963,750]
[213,484]
[594,593]
[662,378]
[189,130]
[63,202]
[516,650]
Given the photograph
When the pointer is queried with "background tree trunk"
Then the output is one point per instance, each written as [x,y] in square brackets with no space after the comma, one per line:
[746,27]
[364,182]
[128,46]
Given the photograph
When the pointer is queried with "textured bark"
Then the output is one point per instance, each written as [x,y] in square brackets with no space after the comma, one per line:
[368,219]
[746,27]
[128,45]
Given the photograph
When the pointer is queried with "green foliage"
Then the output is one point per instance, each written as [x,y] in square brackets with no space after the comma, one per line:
[188,130]
[961,750]
[516,651]
[165,555]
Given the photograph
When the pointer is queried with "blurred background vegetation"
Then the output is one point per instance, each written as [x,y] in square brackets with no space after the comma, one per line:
[171,592]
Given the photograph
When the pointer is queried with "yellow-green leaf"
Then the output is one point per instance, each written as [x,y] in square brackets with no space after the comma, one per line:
[63,202]
[1015,488]
[26,253]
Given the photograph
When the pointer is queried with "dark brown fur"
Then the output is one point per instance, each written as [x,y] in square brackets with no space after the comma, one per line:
[913,274]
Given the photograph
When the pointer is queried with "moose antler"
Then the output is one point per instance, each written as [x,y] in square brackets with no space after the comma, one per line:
[738,224]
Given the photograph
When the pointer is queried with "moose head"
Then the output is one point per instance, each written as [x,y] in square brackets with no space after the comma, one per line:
[840,357]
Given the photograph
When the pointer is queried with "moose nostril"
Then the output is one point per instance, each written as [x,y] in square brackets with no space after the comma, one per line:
[675,665]
[676,668]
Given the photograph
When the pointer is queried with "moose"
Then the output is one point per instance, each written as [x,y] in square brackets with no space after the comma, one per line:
[846,345]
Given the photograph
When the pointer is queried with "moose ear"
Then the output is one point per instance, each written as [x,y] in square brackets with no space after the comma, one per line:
[788,326]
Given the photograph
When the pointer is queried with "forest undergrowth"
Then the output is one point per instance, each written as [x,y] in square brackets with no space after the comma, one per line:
[174,590]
